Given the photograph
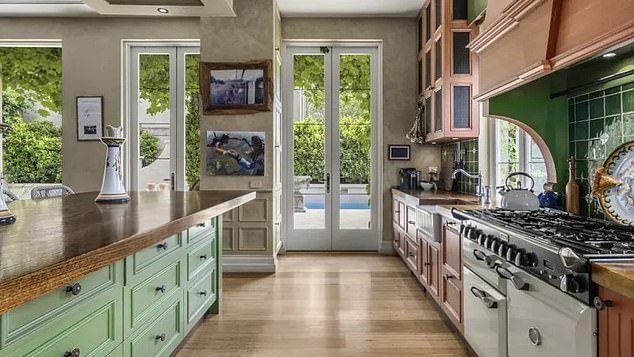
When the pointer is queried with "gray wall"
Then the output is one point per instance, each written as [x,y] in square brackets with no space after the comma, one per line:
[399,85]
[92,65]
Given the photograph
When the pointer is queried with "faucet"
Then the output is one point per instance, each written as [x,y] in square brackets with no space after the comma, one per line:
[483,191]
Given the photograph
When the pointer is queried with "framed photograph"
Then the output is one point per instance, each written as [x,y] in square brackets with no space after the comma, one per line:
[235,153]
[236,88]
[398,152]
[89,118]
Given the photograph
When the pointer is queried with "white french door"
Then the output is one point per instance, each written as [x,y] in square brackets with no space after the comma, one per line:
[161,96]
[331,186]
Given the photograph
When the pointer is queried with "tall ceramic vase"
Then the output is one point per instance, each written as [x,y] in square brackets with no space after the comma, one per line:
[112,188]
[6,216]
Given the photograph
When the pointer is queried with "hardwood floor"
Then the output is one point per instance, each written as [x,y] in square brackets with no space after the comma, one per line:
[326,304]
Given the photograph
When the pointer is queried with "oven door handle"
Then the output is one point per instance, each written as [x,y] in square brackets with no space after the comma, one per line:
[504,273]
[491,260]
[484,298]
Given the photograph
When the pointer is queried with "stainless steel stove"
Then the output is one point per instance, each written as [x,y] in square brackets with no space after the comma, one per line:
[536,267]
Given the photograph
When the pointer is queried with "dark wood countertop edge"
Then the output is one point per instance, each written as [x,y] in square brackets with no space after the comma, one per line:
[17,291]
[614,279]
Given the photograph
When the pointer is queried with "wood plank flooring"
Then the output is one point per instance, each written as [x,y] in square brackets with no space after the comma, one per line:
[326,304]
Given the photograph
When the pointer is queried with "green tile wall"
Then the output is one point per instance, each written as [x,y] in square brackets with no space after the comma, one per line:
[468,156]
[599,122]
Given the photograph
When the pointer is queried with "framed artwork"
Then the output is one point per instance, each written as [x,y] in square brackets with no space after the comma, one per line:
[89,118]
[235,153]
[398,152]
[236,88]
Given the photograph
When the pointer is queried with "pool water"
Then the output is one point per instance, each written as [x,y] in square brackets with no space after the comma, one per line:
[342,205]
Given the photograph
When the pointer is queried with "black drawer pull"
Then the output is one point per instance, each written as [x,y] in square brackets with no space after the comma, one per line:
[201,225]
[203,257]
[74,353]
[449,277]
[160,337]
[203,293]
[161,288]
[411,222]
[162,246]
[426,264]
[74,289]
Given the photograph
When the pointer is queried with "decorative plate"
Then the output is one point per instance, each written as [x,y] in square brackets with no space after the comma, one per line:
[613,185]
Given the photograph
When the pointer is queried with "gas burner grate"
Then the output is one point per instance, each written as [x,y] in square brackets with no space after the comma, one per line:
[567,229]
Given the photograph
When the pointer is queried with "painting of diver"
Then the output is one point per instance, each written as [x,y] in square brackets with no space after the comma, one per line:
[235,153]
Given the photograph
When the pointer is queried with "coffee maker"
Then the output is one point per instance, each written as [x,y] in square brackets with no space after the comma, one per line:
[408,178]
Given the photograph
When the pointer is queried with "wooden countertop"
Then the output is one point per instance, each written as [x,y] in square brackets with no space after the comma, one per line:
[616,275]
[56,241]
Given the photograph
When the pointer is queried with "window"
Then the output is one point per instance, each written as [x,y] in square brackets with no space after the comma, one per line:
[31,95]
[515,151]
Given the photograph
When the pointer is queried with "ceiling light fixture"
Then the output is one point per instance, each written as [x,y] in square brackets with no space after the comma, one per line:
[609,55]
[162,10]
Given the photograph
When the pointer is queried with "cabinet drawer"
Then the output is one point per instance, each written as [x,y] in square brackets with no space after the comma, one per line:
[452,251]
[162,336]
[200,296]
[200,257]
[452,299]
[411,256]
[143,259]
[143,299]
[411,222]
[30,317]
[200,231]
[94,332]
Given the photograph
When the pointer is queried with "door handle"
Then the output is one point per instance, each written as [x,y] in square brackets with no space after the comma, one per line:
[484,298]
[517,281]
[172,179]
[328,183]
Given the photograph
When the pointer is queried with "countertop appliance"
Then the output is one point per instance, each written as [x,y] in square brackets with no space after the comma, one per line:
[540,261]
[408,178]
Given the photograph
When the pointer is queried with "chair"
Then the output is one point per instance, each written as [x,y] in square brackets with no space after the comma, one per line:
[49,191]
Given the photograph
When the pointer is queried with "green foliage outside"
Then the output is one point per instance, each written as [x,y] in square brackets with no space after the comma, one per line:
[33,149]
[354,125]
[149,147]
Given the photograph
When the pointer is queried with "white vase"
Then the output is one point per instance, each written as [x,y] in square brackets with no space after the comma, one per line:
[112,188]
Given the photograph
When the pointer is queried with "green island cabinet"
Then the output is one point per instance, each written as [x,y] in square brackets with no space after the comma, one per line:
[143,305]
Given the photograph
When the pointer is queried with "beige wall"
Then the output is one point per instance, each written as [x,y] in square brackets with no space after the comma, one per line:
[399,85]
[91,65]
[246,37]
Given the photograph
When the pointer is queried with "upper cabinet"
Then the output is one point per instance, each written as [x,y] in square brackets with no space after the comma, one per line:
[448,77]
[522,40]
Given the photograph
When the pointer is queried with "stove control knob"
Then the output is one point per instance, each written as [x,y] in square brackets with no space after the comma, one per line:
[502,248]
[473,233]
[482,238]
[510,252]
[520,258]
[570,284]
[494,244]
[463,228]
[532,260]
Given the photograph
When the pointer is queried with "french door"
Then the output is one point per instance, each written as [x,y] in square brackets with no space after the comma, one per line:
[163,122]
[331,185]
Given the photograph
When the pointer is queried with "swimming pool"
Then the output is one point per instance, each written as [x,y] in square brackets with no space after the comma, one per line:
[342,205]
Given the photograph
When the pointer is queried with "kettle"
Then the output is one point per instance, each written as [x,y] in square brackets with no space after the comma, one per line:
[519,199]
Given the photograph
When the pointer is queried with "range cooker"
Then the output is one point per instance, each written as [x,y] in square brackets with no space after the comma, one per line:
[528,274]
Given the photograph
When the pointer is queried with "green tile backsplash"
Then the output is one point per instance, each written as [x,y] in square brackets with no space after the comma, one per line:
[599,121]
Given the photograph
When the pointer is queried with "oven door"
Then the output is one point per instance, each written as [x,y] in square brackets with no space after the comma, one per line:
[545,322]
[484,317]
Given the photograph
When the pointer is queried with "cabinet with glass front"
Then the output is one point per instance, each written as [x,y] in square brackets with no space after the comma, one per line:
[448,71]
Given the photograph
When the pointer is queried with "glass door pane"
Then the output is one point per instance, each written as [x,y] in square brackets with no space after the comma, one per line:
[192,121]
[154,123]
[355,139]
[310,191]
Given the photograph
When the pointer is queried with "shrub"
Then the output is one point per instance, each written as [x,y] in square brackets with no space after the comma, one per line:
[149,147]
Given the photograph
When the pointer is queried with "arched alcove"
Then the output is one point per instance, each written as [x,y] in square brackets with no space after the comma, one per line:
[543,147]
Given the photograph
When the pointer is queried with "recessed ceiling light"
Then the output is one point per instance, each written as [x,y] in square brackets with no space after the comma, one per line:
[162,10]
[609,55]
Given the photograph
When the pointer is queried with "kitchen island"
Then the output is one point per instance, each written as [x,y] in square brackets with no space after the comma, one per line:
[80,278]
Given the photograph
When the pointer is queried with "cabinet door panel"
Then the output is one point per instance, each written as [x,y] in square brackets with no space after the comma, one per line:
[411,222]
[451,251]
[616,325]
[452,298]
[402,215]
[423,260]
[434,269]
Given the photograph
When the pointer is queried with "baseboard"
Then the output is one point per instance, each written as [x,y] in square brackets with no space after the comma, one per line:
[386,248]
[248,264]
